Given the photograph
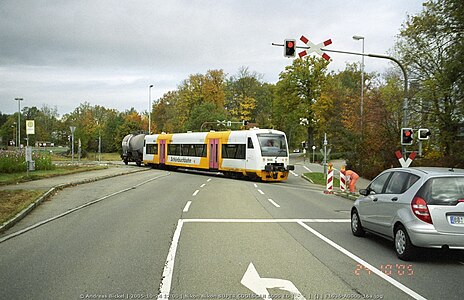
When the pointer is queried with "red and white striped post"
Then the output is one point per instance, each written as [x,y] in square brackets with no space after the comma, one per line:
[330,173]
[342,179]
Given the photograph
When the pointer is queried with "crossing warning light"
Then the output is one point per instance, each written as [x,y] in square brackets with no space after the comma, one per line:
[289,48]
[424,134]
[407,136]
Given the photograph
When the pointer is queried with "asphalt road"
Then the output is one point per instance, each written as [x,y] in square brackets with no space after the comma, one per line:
[196,236]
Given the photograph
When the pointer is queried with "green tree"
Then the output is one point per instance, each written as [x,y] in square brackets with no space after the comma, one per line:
[299,88]
[205,112]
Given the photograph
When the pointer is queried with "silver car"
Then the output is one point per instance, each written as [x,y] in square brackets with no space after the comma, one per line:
[414,207]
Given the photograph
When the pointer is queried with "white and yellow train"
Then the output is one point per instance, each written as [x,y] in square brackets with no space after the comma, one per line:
[255,153]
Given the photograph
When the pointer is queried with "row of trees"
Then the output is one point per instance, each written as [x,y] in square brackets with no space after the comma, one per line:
[308,101]
[91,122]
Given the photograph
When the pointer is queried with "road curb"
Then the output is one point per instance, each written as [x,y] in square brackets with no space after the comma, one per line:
[347,195]
[19,216]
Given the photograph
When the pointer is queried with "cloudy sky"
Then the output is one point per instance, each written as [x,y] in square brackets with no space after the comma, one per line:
[65,52]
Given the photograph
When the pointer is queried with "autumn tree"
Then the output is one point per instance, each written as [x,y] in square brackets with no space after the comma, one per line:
[431,44]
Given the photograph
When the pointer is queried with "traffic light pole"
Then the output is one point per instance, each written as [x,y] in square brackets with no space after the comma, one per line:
[405,100]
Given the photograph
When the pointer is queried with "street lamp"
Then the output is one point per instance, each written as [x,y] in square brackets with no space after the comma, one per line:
[357,38]
[149,108]
[19,121]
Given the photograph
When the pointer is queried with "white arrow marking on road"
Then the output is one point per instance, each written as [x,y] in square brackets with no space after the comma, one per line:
[260,285]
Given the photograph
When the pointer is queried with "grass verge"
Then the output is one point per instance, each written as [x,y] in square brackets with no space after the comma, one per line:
[14,201]
[318,178]
[14,178]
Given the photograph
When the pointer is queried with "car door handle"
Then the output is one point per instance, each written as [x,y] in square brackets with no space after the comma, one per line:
[394,199]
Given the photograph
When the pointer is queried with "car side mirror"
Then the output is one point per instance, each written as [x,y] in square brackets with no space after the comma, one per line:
[365,192]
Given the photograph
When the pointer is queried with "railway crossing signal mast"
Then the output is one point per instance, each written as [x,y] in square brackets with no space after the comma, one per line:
[311,47]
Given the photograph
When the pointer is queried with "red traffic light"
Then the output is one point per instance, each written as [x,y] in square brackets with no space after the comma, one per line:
[407,136]
[289,48]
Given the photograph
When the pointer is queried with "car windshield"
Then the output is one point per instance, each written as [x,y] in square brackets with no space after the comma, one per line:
[444,190]
[272,144]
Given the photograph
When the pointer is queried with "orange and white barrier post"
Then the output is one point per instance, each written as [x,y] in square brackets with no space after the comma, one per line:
[342,179]
[330,173]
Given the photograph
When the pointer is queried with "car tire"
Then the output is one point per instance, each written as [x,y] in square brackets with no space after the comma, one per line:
[405,250]
[356,227]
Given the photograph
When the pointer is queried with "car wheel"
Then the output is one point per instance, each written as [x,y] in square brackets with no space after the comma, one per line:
[403,246]
[356,226]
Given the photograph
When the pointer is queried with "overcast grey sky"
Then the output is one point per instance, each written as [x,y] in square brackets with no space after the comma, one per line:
[64,52]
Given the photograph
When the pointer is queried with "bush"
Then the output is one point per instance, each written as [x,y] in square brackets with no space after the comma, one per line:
[14,161]
[43,161]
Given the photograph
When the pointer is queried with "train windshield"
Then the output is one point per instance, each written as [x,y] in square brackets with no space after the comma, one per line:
[272,144]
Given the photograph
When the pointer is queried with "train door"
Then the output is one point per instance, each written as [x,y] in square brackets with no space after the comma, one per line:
[250,154]
[162,152]
[214,153]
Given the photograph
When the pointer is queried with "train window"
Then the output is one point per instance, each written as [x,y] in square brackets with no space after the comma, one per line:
[152,148]
[195,150]
[200,150]
[187,150]
[234,151]
[173,149]
[250,143]
[272,145]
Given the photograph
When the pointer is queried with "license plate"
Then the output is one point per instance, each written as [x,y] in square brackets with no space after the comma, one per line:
[456,220]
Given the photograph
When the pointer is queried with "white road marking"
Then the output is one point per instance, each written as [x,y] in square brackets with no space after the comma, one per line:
[165,285]
[203,185]
[364,263]
[261,192]
[195,193]
[187,206]
[266,220]
[209,179]
[255,185]
[259,285]
[294,174]
[308,169]
[273,202]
